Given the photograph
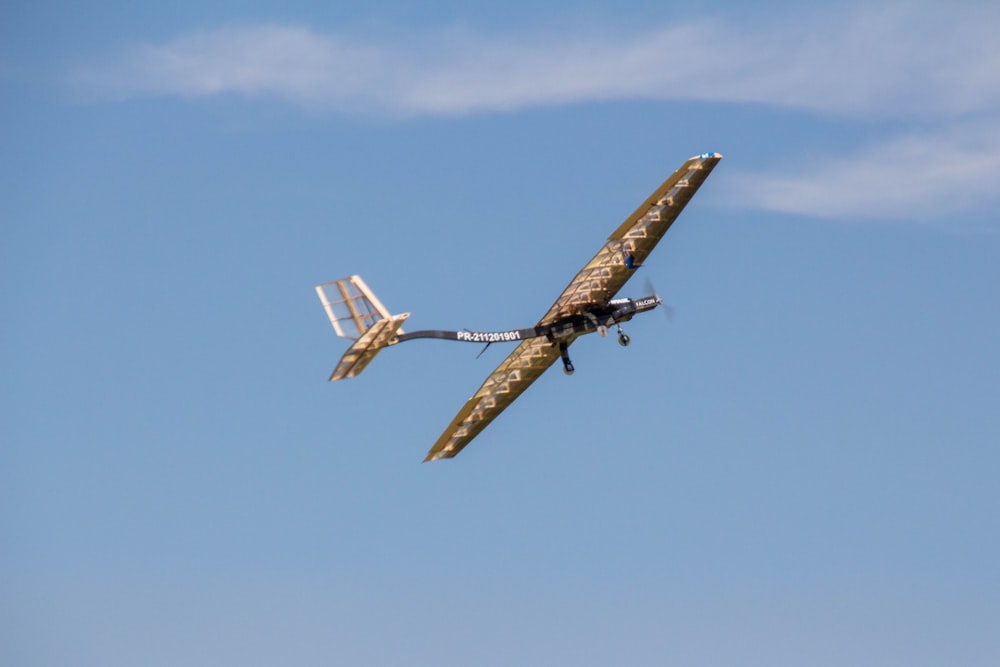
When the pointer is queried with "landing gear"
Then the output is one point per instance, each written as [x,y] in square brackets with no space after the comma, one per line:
[623,338]
[564,353]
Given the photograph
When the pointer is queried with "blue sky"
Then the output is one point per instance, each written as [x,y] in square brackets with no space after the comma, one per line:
[799,468]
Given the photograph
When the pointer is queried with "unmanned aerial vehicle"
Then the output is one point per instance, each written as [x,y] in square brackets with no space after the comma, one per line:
[587,305]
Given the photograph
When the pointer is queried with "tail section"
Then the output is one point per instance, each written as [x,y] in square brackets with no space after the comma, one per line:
[356,313]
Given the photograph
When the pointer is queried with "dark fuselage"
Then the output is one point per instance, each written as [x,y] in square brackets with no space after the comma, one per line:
[594,318]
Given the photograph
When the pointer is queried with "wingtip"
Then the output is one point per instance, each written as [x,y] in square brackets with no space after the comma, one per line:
[440,455]
[706,156]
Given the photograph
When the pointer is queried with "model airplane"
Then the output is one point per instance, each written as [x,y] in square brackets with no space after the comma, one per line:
[585,306]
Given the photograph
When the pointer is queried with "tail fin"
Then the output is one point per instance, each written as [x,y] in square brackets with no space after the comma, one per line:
[356,313]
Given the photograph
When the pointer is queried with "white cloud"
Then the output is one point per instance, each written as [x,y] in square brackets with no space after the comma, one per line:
[932,68]
[287,62]
[907,62]
[930,177]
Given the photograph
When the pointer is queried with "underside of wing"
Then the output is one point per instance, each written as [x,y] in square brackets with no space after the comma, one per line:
[629,245]
[514,374]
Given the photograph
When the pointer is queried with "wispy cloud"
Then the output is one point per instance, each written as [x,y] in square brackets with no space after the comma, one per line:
[889,62]
[932,67]
[936,176]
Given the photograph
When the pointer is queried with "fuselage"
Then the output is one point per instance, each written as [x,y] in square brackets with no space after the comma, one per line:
[592,318]
[598,318]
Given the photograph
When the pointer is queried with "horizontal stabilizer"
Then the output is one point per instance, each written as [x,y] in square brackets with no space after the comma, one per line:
[359,355]
[356,313]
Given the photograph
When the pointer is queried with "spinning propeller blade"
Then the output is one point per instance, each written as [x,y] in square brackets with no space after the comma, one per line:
[668,310]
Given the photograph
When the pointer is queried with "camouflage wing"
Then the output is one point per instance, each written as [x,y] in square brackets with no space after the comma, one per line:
[629,245]
[514,374]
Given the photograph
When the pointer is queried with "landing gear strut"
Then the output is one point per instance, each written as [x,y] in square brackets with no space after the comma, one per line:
[623,338]
[564,353]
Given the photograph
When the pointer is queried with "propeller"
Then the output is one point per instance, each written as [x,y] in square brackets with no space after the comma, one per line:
[668,310]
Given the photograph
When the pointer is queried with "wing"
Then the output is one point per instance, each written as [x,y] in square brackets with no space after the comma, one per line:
[598,282]
[514,374]
[629,245]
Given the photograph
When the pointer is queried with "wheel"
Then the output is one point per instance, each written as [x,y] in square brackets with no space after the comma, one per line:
[624,340]
[568,369]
